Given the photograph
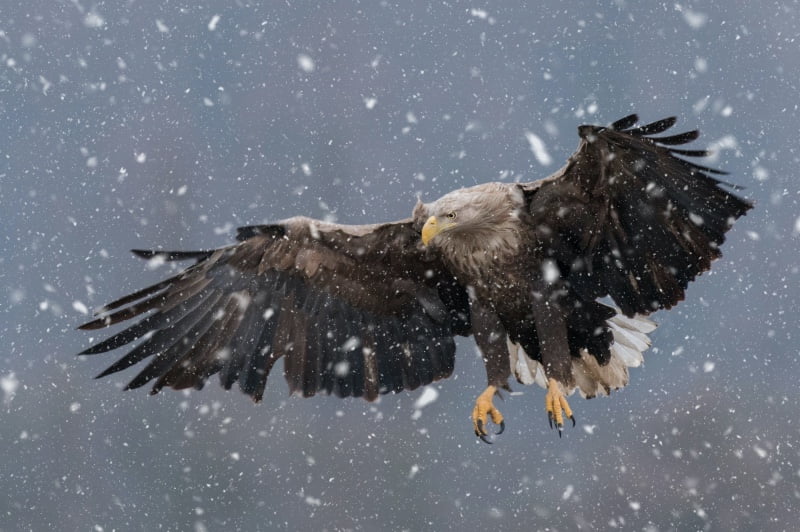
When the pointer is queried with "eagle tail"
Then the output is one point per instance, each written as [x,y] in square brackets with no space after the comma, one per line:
[591,379]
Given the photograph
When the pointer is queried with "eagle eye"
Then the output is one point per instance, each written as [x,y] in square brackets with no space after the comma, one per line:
[451,215]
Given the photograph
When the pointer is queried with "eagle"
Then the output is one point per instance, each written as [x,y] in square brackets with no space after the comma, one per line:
[553,278]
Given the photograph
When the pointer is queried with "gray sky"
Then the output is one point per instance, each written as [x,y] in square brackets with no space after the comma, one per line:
[143,123]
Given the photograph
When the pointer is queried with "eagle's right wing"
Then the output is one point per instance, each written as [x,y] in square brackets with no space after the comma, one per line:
[355,311]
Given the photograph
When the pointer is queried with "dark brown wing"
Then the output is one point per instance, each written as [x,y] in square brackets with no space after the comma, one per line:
[355,311]
[627,218]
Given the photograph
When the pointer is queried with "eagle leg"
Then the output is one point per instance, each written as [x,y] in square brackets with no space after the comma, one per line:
[484,408]
[555,403]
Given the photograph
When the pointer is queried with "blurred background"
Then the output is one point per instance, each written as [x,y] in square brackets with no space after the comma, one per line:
[149,123]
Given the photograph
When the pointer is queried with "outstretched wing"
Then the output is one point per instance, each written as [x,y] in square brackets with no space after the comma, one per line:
[355,311]
[630,218]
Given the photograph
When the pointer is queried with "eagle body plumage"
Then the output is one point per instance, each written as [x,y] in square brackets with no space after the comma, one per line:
[366,310]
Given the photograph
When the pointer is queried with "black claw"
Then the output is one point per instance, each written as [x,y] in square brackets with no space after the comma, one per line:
[550,419]
[482,437]
[573,420]
[502,428]
[480,431]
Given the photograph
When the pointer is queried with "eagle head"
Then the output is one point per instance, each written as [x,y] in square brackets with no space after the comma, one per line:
[468,214]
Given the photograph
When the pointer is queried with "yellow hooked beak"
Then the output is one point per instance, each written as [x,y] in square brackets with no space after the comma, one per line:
[432,228]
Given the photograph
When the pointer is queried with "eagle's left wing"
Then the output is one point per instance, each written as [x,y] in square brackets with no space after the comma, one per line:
[629,217]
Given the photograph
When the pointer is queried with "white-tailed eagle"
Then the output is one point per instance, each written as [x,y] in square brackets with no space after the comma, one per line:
[373,309]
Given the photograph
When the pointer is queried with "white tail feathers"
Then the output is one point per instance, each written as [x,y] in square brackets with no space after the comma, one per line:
[592,379]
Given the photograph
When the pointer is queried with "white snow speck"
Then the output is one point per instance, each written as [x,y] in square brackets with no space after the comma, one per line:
[313,501]
[797,226]
[351,343]
[235,456]
[635,506]
[93,20]
[589,429]
[701,104]
[91,162]
[728,142]
[550,271]
[18,294]
[182,190]
[479,13]
[212,24]
[208,102]
[759,451]
[306,169]
[538,148]
[162,28]
[45,84]
[28,40]
[708,366]
[369,103]
[428,396]
[752,235]
[341,369]
[306,63]
[156,262]
[760,173]
[414,471]
[9,384]
[74,407]
[141,157]
[567,492]
[701,65]
[80,307]
[695,19]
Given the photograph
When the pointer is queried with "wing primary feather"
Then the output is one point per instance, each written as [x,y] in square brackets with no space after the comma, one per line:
[173,289]
[181,344]
[681,138]
[153,322]
[256,367]
[100,323]
[245,338]
[171,256]
[202,359]
[161,340]
[653,128]
[691,153]
[625,122]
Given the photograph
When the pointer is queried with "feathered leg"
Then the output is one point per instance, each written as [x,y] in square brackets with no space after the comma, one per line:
[490,335]
[551,328]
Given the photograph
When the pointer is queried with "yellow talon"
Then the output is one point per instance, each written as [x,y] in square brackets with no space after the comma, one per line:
[484,408]
[555,403]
